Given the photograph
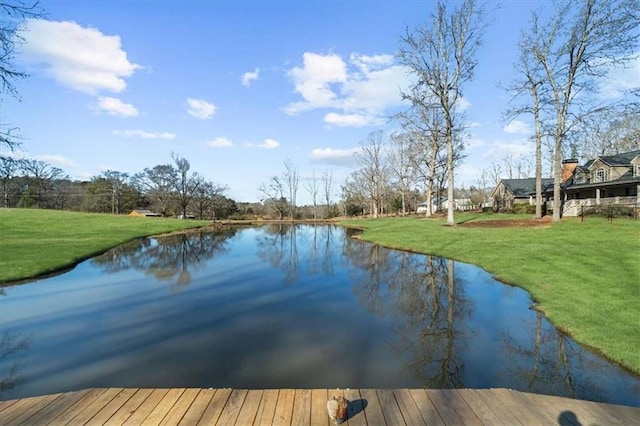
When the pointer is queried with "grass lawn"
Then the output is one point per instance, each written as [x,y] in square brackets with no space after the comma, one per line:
[35,242]
[585,276]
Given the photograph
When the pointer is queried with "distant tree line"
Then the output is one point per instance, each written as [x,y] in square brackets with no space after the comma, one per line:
[168,189]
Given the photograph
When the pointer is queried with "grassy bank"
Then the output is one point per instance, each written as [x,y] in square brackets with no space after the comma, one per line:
[36,242]
[585,276]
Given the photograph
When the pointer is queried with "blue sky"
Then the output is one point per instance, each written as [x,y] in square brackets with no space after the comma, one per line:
[237,87]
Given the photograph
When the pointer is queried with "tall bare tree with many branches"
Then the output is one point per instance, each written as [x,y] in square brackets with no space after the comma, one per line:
[441,57]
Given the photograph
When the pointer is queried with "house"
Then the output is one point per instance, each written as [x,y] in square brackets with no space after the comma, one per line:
[513,191]
[143,213]
[605,180]
[440,204]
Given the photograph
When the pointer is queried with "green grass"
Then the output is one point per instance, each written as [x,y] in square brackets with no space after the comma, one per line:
[37,242]
[585,276]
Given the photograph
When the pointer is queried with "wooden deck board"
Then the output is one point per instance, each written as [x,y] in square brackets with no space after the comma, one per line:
[355,409]
[215,407]
[319,415]
[198,406]
[425,406]
[267,407]
[117,406]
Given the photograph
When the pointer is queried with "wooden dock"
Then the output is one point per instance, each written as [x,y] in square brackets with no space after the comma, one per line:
[117,406]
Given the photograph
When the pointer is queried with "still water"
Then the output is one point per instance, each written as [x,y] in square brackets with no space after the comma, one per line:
[286,307]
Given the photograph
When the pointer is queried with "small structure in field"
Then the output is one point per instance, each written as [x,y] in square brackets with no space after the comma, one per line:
[143,213]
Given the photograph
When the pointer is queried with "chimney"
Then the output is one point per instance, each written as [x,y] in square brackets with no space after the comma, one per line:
[568,167]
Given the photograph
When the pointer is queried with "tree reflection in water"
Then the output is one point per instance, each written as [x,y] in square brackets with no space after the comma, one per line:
[13,347]
[169,258]
[428,304]
[278,246]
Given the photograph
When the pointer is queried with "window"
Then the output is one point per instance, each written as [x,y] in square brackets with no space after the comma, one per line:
[637,170]
[600,175]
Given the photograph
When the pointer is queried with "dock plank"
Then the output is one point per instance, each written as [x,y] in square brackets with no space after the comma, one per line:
[48,413]
[355,409]
[198,406]
[182,405]
[319,416]
[147,406]
[232,408]
[301,414]
[390,407]
[408,408]
[107,411]
[116,406]
[425,406]
[373,410]
[163,407]
[267,407]
[72,411]
[284,407]
[23,415]
[453,409]
[250,407]
[215,407]
[129,407]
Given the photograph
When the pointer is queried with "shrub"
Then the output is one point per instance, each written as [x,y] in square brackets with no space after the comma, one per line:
[523,208]
[610,211]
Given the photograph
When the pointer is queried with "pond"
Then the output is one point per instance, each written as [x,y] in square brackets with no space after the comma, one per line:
[286,307]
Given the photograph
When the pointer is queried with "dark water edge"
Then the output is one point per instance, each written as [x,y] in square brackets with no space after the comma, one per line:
[287,307]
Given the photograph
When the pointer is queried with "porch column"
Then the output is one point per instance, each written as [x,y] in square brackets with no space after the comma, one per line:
[597,197]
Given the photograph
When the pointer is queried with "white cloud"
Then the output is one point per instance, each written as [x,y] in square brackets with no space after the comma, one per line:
[359,91]
[201,109]
[219,143]
[338,157]
[81,58]
[621,79]
[517,127]
[267,144]
[474,142]
[313,81]
[144,135]
[56,160]
[248,77]
[498,150]
[114,106]
[342,120]
[463,104]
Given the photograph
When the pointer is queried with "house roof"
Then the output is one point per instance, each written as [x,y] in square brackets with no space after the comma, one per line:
[524,187]
[622,159]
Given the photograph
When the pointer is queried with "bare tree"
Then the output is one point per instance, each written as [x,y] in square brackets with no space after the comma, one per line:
[273,191]
[441,55]
[185,184]
[530,85]
[12,15]
[14,12]
[426,146]
[401,167]
[158,183]
[373,169]
[312,188]
[205,195]
[327,187]
[117,181]
[9,168]
[608,132]
[40,176]
[291,178]
[577,47]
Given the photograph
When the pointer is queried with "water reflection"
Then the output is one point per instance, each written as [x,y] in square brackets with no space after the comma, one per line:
[287,307]
[12,349]
[170,258]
